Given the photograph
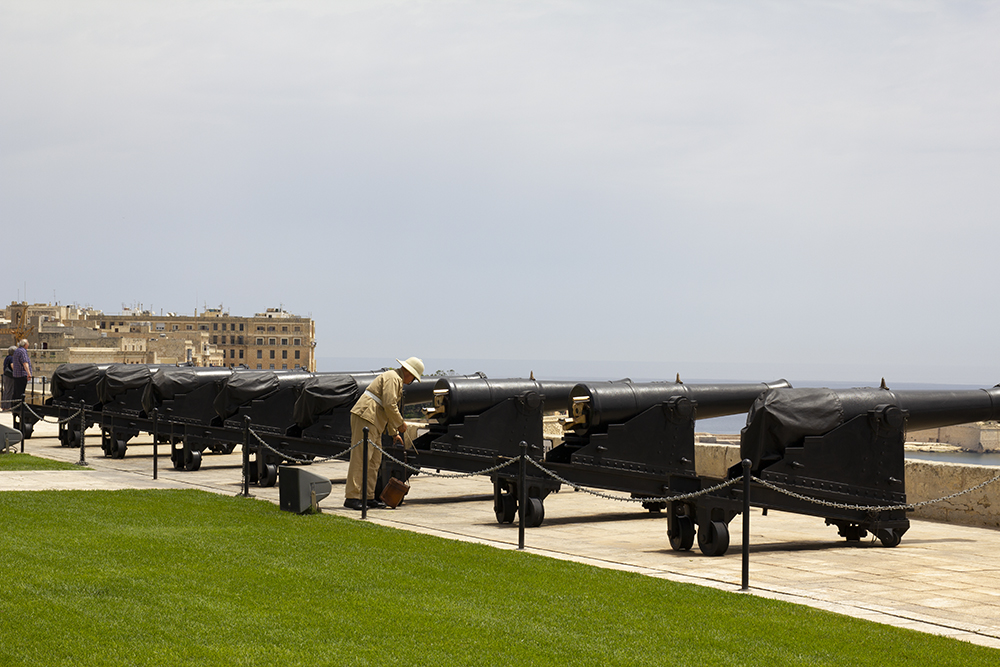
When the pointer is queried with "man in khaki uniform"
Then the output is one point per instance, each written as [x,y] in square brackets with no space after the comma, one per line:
[378,408]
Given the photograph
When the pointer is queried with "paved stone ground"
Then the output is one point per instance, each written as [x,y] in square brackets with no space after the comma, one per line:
[942,579]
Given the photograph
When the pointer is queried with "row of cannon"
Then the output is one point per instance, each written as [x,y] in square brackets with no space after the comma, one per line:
[833,454]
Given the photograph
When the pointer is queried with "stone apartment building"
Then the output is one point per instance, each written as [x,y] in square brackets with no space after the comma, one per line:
[274,339]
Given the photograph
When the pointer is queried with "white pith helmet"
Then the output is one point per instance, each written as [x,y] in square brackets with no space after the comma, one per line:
[414,365]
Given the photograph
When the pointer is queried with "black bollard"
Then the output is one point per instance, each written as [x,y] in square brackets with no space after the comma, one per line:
[156,438]
[83,437]
[746,524]
[522,493]
[364,477]
[246,455]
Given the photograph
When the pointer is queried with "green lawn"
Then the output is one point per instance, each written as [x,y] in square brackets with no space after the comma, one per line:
[29,462]
[192,578]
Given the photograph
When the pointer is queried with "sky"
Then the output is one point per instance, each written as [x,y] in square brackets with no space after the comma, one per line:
[725,190]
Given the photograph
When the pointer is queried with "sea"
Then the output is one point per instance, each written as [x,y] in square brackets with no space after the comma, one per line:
[728,425]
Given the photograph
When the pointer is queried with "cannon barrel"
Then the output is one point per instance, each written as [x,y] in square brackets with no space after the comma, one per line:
[595,403]
[423,390]
[455,398]
[783,417]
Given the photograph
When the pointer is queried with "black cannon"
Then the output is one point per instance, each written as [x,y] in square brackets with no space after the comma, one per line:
[74,386]
[184,398]
[317,421]
[843,448]
[475,423]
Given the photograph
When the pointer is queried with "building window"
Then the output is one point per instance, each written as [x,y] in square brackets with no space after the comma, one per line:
[284,354]
[284,367]
[284,329]
[260,355]
[270,328]
[270,341]
[175,328]
[297,354]
[272,367]
[160,326]
[232,354]
[190,327]
[260,341]
[215,326]
[297,366]
[296,341]
[258,366]
[239,340]
[215,340]
[232,326]
[241,354]
[241,326]
[260,328]
[284,341]
[272,354]
[203,327]
[298,329]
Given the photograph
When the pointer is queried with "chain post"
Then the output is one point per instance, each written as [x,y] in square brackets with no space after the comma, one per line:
[522,494]
[156,438]
[364,476]
[746,524]
[83,437]
[246,455]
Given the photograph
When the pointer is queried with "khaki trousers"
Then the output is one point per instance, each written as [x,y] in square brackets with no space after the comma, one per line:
[354,470]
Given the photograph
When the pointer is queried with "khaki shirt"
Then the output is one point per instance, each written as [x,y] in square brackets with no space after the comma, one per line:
[389,388]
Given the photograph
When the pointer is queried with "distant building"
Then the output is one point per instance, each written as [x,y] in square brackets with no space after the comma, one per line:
[274,339]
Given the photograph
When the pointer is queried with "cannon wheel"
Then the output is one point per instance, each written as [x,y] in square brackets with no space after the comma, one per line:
[889,537]
[178,462]
[118,448]
[192,461]
[534,513]
[269,476]
[713,538]
[681,533]
[506,508]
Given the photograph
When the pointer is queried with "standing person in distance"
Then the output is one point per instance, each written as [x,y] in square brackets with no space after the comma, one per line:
[21,366]
[8,378]
[378,408]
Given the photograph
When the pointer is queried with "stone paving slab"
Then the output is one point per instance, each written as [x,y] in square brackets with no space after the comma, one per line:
[942,579]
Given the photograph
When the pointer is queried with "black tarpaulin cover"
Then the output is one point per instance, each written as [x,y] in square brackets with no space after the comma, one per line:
[67,376]
[324,393]
[172,380]
[246,386]
[783,417]
[119,378]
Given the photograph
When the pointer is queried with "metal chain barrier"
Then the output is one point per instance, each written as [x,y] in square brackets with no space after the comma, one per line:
[43,419]
[872,508]
[457,475]
[288,455]
[630,499]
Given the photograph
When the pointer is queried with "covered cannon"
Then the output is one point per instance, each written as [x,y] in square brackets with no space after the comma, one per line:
[841,451]
[73,386]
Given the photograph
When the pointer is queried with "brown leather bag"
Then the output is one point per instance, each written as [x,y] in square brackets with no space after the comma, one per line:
[392,494]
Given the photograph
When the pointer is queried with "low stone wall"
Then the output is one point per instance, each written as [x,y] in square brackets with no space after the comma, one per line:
[925,480]
[928,480]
